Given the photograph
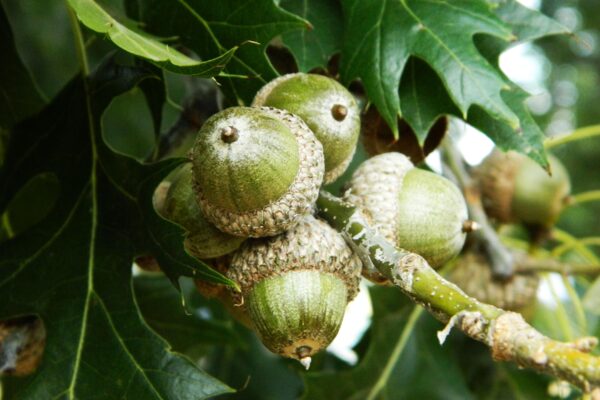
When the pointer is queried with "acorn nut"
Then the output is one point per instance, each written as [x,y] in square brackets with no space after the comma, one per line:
[414,209]
[296,286]
[515,188]
[474,275]
[256,171]
[326,106]
[202,240]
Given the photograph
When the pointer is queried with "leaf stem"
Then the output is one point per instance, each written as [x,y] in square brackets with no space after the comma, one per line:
[79,42]
[584,197]
[578,134]
[571,242]
[396,353]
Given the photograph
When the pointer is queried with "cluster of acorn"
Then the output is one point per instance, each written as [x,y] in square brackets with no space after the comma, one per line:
[247,201]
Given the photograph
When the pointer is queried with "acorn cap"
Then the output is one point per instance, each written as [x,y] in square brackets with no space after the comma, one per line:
[515,188]
[202,240]
[326,106]
[415,209]
[473,274]
[296,286]
[256,171]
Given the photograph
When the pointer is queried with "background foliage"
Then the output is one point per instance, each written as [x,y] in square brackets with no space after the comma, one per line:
[76,197]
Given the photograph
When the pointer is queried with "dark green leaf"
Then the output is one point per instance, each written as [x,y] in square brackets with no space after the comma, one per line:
[313,46]
[413,366]
[73,268]
[209,30]
[156,95]
[19,96]
[97,19]
[381,35]
[424,98]
[164,309]
[528,139]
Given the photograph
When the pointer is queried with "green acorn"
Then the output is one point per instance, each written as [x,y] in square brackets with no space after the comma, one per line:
[515,188]
[415,209]
[296,286]
[256,171]
[326,106]
[203,240]
[474,275]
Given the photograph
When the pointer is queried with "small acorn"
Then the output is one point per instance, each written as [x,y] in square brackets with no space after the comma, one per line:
[256,171]
[203,240]
[326,106]
[414,209]
[296,286]
[474,275]
[515,188]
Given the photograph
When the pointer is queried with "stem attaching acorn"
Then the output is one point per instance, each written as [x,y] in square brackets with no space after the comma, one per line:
[295,287]
[515,188]
[414,209]
[256,171]
[326,106]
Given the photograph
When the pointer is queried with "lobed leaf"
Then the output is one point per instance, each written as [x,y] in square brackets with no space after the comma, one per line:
[312,47]
[208,30]
[73,268]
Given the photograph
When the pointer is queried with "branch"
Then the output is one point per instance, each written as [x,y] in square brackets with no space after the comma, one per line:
[501,260]
[528,264]
[507,334]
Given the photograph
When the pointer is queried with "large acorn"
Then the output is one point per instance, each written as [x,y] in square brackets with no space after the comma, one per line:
[415,209]
[203,240]
[515,188]
[326,106]
[295,287]
[256,171]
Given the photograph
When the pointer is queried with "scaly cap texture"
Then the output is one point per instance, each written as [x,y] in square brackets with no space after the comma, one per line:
[474,275]
[296,286]
[202,240]
[415,209]
[256,170]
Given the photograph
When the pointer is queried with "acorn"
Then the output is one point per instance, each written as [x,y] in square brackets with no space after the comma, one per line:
[474,275]
[515,188]
[202,240]
[295,287]
[256,171]
[326,106]
[414,209]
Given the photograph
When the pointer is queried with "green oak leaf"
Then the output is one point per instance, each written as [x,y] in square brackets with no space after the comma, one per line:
[199,327]
[19,96]
[402,360]
[424,99]
[312,47]
[143,45]
[382,35]
[527,24]
[73,268]
[209,30]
